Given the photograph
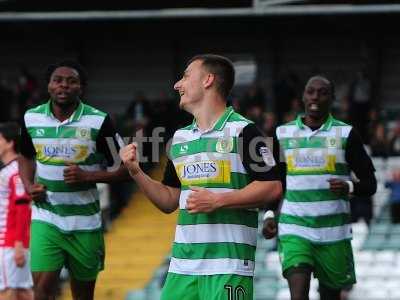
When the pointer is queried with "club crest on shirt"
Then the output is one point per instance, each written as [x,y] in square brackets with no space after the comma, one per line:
[83,133]
[224,145]
[332,142]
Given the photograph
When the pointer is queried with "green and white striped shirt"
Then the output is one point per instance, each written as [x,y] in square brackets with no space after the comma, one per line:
[224,241]
[55,144]
[310,210]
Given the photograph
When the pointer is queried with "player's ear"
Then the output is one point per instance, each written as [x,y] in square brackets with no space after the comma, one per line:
[209,80]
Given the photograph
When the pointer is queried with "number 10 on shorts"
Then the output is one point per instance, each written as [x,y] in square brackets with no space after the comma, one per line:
[237,293]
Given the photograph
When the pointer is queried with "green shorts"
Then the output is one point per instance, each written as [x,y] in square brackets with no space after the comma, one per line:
[207,287]
[332,263]
[81,252]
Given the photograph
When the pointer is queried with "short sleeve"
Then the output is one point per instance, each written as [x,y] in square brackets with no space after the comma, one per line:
[258,155]
[170,177]
[17,190]
[108,141]
[26,145]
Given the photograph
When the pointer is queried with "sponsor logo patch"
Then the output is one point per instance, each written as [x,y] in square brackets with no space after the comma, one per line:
[40,132]
[60,153]
[183,148]
[267,156]
[309,162]
[204,172]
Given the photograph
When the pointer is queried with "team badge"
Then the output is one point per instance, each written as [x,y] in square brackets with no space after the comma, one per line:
[331,142]
[83,133]
[224,145]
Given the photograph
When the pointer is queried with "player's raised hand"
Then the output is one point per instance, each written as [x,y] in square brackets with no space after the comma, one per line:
[37,191]
[128,155]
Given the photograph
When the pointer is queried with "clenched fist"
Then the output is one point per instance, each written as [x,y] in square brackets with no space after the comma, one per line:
[270,228]
[128,156]
[338,186]
[74,174]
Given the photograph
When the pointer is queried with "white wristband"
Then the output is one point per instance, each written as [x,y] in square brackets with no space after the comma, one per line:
[351,186]
[269,214]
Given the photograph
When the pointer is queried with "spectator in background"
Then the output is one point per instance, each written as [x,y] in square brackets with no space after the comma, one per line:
[137,123]
[394,141]
[139,111]
[235,103]
[378,142]
[163,110]
[394,186]
[296,107]
[360,97]
[254,96]
[27,91]
[255,113]
[269,125]
[6,99]
[286,89]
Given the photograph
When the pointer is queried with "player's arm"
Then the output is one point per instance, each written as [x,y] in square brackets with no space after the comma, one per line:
[261,165]
[108,143]
[361,164]
[27,166]
[164,195]
[254,195]
[22,218]
[270,226]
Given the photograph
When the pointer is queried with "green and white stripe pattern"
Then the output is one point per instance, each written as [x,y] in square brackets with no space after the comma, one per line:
[310,210]
[69,207]
[224,241]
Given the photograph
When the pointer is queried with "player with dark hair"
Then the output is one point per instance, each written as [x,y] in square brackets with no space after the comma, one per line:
[65,142]
[15,277]
[314,222]
[220,169]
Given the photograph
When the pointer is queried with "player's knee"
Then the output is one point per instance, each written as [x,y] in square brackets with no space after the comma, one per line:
[327,293]
[298,296]
[44,291]
[24,294]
